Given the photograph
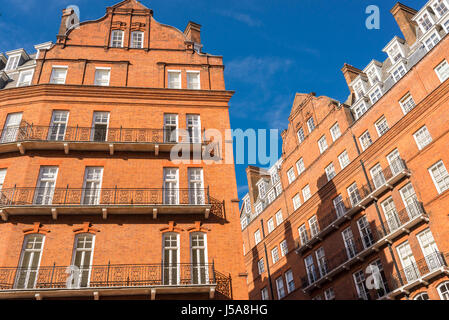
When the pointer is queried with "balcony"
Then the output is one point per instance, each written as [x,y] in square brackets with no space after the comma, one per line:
[112,280]
[384,181]
[419,273]
[360,249]
[105,201]
[100,138]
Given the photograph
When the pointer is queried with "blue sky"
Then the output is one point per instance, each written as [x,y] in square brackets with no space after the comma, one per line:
[271,49]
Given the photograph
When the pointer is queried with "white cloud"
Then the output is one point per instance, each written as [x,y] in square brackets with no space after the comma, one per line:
[241,17]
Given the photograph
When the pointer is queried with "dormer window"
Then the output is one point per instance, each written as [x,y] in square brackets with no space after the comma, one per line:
[360,109]
[425,22]
[262,191]
[372,76]
[13,63]
[395,53]
[399,72]
[247,205]
[311,124]
[446,26]
[25,78]
[376,95]
[432,40]
[137,40]
[440,7]
[117,39]
[359,90]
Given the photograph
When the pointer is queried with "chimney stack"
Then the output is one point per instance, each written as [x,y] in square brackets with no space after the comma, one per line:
[193,33]
[403,16]
[66,15]
[350,73]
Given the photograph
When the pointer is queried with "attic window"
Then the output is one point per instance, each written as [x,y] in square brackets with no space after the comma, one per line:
[440,7]
[372,76]
[117,39]
[395,53]
[137,40]
[425,22]
[13,62]
[25,78]
[358,89]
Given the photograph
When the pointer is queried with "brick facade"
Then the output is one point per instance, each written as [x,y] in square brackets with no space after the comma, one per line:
[128,230]
[403,277]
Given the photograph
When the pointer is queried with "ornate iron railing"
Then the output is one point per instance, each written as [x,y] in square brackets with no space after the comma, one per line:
[29,132]
[108,276]
[348,204]
[418,269]
[19,196]
[372,235]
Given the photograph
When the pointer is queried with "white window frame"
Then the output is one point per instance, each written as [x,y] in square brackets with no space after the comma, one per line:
[270,225]
[190,73]
[290,281]
[407,103]
[382,126]
[279,218]
[22,74]
[95,131]
[139,43]
[444,295]
[291,175]
[58,80]
[27,269]
[322,144]
[261,266]
[311,124]
[102,82]
[364,138]
[13,62]
[301,135]
[314,226]
[170,80]
[303,236]
[422,137]
[168,266]
[330,171]
[264,294]
[275,255]
[296,202]
[116,32]
[343,159]
[335,132]
[443,65]
[432,40]
[445,176]
[280,288]
[300,167]
[284,248]
[306,193]
[2,177]
[82,270]
[397,73]
[87,199]
[46,185]
[257,237]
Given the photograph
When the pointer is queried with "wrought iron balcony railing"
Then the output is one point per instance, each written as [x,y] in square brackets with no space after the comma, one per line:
[373,238]
[62,133]
[416,271]
[351,205]
[113,276]
[49,196]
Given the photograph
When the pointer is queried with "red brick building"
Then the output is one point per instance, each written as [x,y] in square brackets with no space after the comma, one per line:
[362,189]
[92,205]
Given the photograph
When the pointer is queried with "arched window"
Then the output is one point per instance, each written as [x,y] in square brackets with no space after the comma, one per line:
[30,259]
[443,290]
[422,296]
[170,258]
[83,250]
[198,245]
